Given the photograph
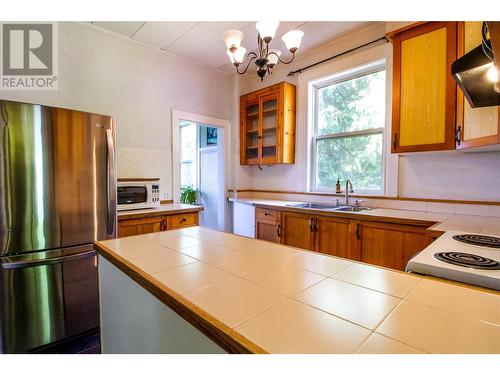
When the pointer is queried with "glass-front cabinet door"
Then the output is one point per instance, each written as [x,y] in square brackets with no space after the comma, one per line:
[268,136]
[252,130]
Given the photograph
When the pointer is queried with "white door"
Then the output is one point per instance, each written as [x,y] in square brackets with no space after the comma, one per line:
[209,187]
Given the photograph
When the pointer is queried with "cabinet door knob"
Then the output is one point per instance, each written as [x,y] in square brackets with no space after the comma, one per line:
[458,135]
[278,230]
[357,232]
[395,141]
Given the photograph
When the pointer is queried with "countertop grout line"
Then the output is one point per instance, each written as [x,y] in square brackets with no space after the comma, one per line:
[388,315]
[275,291]
[329,313]
[453,312]
[258,314]
[402,342]
[413,287]
[363,342]
[347,282]
[194,290]
[375,290]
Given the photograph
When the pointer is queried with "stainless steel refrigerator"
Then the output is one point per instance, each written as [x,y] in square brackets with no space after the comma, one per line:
[57,195]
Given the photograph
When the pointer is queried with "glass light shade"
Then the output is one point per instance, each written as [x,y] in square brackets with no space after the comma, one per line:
[272,58]
[492,74]
[231,56]
[239,55]
[233,39]
[292,39]
[267,29]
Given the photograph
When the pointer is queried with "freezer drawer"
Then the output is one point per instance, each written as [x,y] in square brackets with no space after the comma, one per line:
[46,297]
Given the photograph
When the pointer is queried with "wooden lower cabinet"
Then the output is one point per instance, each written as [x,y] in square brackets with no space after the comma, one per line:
[268,232]
[388,245]
[143,225]
[332,236]
[182,220]
[268,225]
[133,227]
[298,230]
[383,244]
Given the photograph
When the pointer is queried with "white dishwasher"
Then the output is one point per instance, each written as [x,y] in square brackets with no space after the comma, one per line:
[244,219]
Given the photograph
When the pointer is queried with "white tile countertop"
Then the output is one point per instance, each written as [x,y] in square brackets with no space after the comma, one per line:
[287,300]
[444,221]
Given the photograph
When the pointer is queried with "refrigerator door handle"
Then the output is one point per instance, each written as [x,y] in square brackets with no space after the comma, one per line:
[111,182]
[46,261]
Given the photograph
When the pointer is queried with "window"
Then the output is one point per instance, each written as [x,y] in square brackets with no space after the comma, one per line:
[349,122]
[188,154]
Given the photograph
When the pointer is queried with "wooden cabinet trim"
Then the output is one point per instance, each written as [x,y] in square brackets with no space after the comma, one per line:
[450,101]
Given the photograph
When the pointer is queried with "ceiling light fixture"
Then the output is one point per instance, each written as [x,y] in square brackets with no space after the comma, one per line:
[266,59]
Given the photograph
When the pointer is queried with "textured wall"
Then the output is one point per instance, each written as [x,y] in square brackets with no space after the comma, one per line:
[452,175]
[104,73]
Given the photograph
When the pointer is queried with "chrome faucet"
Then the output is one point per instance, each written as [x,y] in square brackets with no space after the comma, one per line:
[348,189]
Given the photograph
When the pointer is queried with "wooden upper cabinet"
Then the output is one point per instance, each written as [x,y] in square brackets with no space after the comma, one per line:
[475,126]
[267,129]
[424,92]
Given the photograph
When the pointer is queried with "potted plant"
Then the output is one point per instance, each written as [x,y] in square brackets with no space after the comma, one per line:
[189,195]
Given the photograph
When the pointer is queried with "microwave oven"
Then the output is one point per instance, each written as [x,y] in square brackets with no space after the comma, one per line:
[134,195]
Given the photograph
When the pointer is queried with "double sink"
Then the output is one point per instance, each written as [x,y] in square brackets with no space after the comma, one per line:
[329,207]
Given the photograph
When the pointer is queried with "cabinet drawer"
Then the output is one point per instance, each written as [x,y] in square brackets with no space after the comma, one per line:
[133,227]
[267,216]
[182,220]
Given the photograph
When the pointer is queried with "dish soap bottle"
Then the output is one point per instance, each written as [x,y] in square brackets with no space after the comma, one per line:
[338,189]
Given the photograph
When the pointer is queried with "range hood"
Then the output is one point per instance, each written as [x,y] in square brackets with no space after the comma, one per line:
[473,73]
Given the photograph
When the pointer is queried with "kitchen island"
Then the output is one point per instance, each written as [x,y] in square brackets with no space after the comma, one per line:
[196,290]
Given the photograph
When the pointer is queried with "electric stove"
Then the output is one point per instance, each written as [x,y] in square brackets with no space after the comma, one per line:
[465,257]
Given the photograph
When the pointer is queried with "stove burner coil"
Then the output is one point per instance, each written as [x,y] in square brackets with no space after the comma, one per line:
[468,260]
[479,240]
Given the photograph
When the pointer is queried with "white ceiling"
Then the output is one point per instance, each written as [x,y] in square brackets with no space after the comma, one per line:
[202,41]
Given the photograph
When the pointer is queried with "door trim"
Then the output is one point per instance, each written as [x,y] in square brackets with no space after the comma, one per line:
[177,116]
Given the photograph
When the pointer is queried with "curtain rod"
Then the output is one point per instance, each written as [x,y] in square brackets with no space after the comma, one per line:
[338,55]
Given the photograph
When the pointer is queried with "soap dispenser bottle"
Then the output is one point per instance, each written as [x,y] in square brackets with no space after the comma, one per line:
[338,189]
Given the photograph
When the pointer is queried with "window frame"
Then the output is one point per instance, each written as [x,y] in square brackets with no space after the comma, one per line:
[196,156]
[346,75]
